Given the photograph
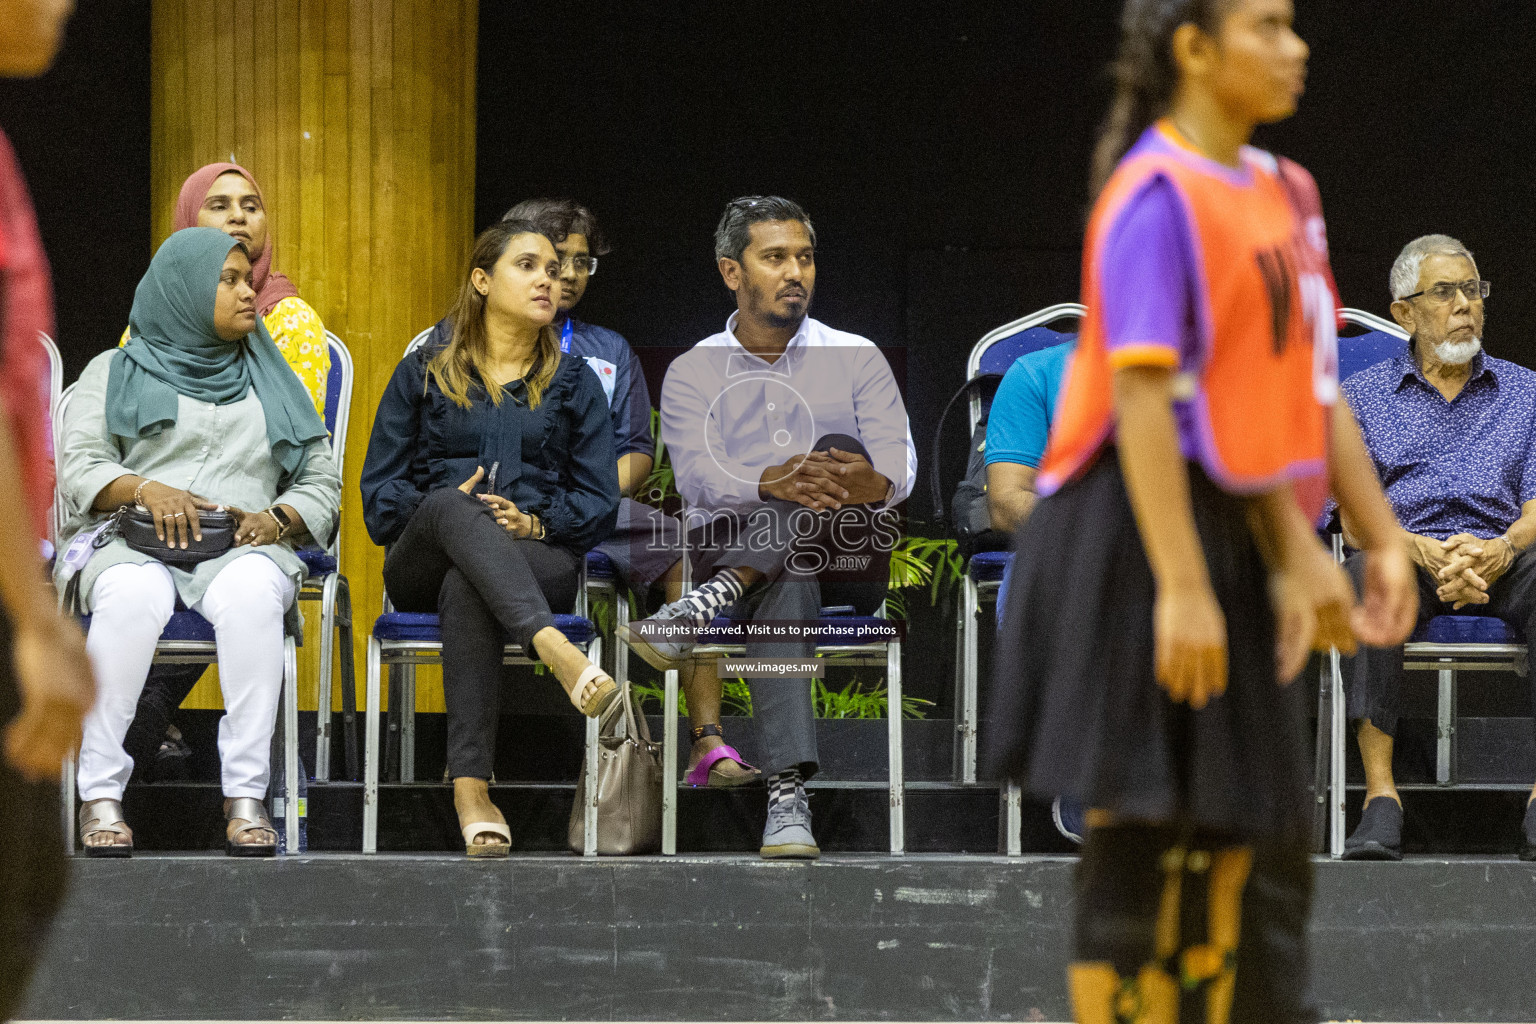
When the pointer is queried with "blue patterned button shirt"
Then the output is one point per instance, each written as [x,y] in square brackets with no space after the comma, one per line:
[1464,466]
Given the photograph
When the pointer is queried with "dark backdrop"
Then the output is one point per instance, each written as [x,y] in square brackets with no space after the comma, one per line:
[942,151]
[81,132]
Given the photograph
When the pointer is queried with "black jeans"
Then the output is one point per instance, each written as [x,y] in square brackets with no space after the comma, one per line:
[32,870]
[1373,678]
[489,589]
[164,691]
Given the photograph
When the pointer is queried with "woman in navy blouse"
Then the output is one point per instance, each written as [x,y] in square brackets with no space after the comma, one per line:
[489,475]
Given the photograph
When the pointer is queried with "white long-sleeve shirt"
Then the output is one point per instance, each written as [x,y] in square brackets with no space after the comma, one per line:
[727,415]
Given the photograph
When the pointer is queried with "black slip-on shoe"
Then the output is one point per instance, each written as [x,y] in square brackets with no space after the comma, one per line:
[1379,836]
[1528,841]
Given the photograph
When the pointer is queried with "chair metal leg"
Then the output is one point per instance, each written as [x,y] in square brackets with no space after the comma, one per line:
[323,688]
[1338,721]
[594,752]
[67,802]
[1010,819]
[371,712]
[391,763]
[1445,728]
[620,648]
[407,723]
[348,675]
[957,760]
[589,819]
[893,738]
[1321,758]
[970,660]
[669,763]
[291,744]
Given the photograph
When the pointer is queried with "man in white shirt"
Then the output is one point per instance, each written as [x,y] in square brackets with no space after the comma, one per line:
[789,442]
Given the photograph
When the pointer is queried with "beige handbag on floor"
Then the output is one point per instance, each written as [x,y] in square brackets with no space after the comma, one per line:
[628,787]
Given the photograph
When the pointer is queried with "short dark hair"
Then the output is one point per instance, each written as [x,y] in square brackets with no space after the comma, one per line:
[734,233]
[560,218]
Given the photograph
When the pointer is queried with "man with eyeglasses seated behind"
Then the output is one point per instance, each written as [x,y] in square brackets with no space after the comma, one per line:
[1452,431]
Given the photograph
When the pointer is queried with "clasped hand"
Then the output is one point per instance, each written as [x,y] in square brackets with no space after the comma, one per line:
[1464,566]
[827,480]
[175,512]
[1314,607]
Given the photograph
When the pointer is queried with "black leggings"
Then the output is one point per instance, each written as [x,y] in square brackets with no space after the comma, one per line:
[490,589]
[1152,922]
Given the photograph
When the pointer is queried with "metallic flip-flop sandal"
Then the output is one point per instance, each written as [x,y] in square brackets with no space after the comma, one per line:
[254,815]
[98,816]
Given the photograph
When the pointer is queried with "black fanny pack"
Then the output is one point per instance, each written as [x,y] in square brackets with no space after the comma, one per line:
[137,527]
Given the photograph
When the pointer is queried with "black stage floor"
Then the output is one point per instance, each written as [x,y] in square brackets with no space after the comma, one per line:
[701,937]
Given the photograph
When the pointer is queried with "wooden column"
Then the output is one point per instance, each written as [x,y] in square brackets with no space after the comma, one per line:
[358,119]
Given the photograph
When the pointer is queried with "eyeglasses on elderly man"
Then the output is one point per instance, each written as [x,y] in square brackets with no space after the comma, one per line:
[1473,288]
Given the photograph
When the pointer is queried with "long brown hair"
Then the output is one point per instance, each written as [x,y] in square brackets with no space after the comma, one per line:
[462,360]
[1144,74]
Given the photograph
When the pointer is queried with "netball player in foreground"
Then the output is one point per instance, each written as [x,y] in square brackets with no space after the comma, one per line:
[1169,586]
[45,679]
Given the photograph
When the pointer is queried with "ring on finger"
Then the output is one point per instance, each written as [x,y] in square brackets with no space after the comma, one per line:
[179,515]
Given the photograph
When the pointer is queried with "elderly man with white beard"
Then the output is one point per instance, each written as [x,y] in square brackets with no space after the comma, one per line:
[1452,431]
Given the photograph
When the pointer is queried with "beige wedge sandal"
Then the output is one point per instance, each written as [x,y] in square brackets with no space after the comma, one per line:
[594,692]
[482,828]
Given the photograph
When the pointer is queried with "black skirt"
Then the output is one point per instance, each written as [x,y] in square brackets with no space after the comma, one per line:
[1076,710]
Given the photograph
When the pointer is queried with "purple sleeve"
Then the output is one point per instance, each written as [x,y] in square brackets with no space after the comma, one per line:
[1145,268]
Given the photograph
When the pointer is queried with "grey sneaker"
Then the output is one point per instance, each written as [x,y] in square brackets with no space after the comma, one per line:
[788,833]
[662,651]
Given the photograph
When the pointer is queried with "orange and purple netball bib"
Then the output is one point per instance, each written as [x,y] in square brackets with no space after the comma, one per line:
[1221,275]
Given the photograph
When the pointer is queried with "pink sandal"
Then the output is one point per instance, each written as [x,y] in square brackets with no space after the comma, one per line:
[705,773]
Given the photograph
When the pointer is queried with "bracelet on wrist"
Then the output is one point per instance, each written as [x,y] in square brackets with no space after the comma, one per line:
[138,492]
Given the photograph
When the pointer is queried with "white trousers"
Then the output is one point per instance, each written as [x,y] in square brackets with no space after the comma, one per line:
[131,606]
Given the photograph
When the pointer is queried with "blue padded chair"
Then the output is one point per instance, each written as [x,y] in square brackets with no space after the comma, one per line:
[994,354]
[329,586]
[188,640]
[1447,644]
[403,640]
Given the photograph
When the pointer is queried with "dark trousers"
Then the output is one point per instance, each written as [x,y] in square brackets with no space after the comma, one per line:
[808,559]
[32,870]
[164,690]
[490,589]
[1373,678]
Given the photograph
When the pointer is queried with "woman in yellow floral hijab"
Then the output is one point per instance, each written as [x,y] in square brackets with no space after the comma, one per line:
[226,196]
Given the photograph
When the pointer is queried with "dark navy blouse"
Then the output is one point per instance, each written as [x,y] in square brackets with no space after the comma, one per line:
[555,461]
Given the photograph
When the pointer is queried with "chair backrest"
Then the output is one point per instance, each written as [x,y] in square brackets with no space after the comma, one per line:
[417,342]
[56,516]
[338,396]
[1376,341]
[55,370]
[1000,347]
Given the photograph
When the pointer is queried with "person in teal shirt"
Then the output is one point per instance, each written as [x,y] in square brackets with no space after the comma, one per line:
[1017,428]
